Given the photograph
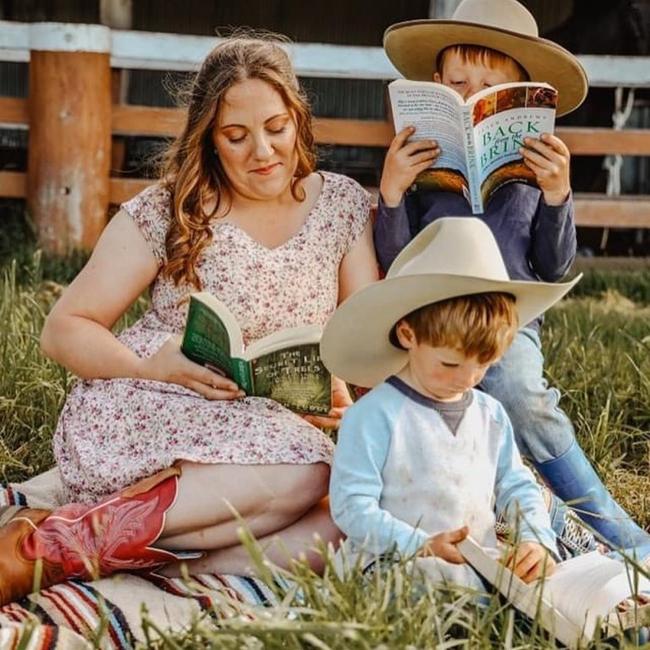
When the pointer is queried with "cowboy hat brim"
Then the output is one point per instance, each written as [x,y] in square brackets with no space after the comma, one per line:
[355,345]
[413,47]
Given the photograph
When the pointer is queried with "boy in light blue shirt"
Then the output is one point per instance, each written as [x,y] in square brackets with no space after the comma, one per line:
[424,459]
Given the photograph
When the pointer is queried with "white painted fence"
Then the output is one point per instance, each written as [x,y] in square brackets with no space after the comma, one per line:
[162,51]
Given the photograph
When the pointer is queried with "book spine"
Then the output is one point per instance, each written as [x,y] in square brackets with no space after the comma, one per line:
[470,159]
[242,374]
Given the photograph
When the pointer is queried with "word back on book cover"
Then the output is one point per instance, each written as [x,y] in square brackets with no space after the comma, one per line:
[295,377]
[501,122]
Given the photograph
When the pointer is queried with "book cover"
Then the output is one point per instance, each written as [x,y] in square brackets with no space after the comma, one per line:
[295,377]
[284,366]
[480,138]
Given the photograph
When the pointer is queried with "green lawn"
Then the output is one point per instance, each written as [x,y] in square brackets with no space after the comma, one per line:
[597,347]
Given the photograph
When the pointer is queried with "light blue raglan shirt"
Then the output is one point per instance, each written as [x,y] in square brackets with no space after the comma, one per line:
[400,475]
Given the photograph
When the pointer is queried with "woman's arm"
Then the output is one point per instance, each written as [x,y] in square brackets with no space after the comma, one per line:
[359,266]
[77,333]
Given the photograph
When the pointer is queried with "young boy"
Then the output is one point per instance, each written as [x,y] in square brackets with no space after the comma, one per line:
[489,42]
[423,458]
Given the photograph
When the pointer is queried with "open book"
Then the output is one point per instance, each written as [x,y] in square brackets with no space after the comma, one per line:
[479,139]
[580,597]
[284,366]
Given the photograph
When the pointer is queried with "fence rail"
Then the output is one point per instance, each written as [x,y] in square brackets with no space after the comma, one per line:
[59,54]
[183,52]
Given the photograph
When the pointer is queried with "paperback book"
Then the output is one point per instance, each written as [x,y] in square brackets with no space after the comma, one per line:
[284,366]
[578,601]
[479,138]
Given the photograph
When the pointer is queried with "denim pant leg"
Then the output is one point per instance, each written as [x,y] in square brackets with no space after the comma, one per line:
[542,429]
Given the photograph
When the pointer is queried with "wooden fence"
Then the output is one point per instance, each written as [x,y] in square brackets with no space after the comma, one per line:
[73,115]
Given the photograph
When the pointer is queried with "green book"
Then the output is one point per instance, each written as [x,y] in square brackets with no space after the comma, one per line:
[284,366]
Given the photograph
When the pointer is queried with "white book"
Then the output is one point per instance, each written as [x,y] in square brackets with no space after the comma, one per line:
[479,138]
[579,598]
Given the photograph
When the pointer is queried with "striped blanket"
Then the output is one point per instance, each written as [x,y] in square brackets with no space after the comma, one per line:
[116,612]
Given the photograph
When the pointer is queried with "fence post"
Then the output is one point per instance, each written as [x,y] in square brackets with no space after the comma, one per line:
[69,153]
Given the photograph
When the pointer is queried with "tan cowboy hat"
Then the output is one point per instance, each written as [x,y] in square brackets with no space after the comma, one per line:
[504,25]
[453,256]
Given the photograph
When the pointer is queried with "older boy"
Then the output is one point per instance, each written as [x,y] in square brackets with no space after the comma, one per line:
[488,42]
[422,459]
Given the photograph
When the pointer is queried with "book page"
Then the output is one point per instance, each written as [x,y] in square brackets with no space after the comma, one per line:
[572,602]
[590,586]
[531,599]
[434,111]
[284,338]
[295,377]
[502,116]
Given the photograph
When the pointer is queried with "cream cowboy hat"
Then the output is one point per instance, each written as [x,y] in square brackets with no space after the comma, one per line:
[504,25]
[453,256]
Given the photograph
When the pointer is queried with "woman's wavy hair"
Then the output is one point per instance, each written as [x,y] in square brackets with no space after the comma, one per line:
[191,170]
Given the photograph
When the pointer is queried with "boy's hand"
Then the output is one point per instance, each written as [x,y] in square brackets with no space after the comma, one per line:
[548,158]
[530,561]
[443,545]
[404,161]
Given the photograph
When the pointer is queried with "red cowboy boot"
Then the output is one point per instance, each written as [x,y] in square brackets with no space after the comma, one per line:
[88,542]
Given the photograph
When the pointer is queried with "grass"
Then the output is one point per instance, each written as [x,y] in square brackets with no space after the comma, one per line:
[597,348]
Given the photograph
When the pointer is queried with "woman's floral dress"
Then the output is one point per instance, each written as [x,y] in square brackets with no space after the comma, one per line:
[113,432]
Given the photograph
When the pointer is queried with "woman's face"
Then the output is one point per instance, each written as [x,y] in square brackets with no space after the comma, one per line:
[255,139]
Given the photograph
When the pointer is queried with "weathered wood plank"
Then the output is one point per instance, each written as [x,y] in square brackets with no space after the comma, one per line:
[123,189]
[13,113]
[592,210]
[585,141]
[162,51]
[144,120]
[13,185]
[147,120]
[599,211]
[167,122]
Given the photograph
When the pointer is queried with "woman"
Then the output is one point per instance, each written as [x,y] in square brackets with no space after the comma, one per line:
[239,212]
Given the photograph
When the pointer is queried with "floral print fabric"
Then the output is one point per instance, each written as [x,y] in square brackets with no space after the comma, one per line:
[114,432]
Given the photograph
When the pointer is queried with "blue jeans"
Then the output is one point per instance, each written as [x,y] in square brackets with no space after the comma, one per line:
[545,435]
[542,429]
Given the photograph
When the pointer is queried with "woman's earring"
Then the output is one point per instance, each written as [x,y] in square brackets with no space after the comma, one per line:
[215,152]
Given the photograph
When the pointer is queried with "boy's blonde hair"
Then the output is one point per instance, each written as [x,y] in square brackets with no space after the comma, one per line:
[480,54]
[481,325]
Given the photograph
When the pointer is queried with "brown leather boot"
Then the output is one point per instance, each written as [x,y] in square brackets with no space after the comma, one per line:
[88,542]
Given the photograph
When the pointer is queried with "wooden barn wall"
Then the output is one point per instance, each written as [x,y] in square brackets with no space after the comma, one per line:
[357,22]
[62,11]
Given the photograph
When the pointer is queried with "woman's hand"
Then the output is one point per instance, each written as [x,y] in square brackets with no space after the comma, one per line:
[340,401]
[530,561]
[443,545]
[404,161]
[549,158]
[169,364]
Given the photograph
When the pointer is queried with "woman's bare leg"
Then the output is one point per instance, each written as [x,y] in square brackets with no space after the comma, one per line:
[212,501]
[296,541]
